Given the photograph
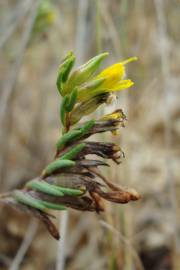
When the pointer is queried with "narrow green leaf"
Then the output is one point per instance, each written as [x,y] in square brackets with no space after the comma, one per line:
[87,126]
[68,137]
[63,109]
[71,191]
[44,187]
[74,151]
[53,189]
[56,165]
[53,206]
[72,100]
[64,70]
[26,199]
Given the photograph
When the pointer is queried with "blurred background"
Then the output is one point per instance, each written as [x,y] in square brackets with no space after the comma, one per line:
[34,37]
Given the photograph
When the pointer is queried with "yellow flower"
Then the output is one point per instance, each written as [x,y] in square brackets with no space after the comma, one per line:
[110,79]
[113,76]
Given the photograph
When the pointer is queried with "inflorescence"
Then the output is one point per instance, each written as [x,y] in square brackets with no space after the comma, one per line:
[73,179]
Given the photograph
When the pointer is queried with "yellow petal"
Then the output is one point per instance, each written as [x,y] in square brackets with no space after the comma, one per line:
[117,68]
[121,85]
[124,84]
[112,75]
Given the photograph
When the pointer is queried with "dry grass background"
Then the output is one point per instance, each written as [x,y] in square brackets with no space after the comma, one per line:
[141,235]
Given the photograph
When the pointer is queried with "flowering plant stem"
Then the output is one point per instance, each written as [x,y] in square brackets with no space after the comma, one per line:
[73,179]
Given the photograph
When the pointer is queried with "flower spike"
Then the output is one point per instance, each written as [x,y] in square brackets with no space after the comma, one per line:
[73,179]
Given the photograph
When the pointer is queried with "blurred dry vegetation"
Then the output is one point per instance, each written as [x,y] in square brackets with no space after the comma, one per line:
[140,235]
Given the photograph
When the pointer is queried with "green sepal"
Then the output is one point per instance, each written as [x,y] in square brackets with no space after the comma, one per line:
[56,165]
[74,151]
[44,187]
[67,137]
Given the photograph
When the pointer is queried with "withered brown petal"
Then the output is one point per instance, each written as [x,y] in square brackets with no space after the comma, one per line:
[118,196]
